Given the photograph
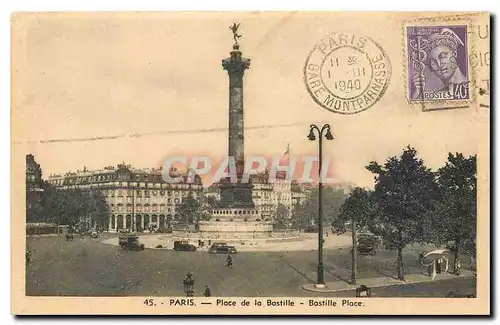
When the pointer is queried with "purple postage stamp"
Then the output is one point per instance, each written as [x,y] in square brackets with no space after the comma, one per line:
[437,67]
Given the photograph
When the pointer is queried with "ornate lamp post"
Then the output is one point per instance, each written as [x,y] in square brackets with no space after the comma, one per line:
[320,283]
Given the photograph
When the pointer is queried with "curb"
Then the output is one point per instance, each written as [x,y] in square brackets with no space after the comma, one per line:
[310,287]
[256,248]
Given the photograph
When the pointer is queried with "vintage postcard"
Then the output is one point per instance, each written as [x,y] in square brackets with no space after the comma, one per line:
[309,163]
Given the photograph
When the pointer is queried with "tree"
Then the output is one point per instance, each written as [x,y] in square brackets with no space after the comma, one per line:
[60,206]
[281,218]
[358,209]
[455,212]
[307,213]
[94,209]
[74,206]
[210,201]
[404,191]
[297,216]
[206,204]
[191,210]
[333,198]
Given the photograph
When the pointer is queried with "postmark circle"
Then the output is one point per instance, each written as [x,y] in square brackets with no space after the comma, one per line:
[347,73]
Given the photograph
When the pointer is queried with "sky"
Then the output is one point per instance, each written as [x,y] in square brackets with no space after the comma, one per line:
[100,89]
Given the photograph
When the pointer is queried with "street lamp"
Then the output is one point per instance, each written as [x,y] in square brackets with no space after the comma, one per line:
[320,283]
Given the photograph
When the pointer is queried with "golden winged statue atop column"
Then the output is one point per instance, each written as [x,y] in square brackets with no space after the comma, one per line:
[234,28]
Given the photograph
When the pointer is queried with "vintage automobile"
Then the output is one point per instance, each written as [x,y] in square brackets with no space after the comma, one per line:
[184,246]
[222,248]
[311,229]
[130,243]
[367,244]
[390,244]
[94,234]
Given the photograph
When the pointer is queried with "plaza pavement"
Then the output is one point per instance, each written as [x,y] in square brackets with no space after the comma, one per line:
[306,242]
[87,267]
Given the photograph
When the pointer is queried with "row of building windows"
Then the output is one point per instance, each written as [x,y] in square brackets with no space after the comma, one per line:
[144,200]
[121,208]
[139,193]
[73,181]
[228,212]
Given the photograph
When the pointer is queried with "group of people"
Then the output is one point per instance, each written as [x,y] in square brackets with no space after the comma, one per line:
[189,281]
[201,243]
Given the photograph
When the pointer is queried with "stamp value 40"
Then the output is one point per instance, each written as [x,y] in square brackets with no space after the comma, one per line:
[437,63]
[347,73]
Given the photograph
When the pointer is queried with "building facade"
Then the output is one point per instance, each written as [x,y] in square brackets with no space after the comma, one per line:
[34,189]
[137,199]
[268,195]
[299,193]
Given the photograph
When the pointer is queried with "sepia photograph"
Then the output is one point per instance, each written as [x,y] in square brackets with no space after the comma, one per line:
[250,163]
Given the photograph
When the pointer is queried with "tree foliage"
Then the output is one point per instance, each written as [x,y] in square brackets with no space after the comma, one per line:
[306,214]
[358,207]
[210,202]
[281,218]
[454,214]
[297,216]
[191,210]
[404,191]
[74,206]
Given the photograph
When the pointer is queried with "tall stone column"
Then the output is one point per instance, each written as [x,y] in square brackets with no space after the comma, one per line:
[236,66]
[236,194]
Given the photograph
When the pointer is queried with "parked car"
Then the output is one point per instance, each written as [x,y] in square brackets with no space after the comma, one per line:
[222,248]
[183,246]
[390,244]
[94,234]
[130,243]
[311,229]
[367,244]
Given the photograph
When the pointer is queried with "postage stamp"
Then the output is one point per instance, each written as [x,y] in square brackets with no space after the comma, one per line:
[190,164]
[347,73]
[438,63]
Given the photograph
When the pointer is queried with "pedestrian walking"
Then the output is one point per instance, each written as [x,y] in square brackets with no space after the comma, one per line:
[189,285]
[229,261]
[432,270]
[420,257]
[207,292]
[28,256]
